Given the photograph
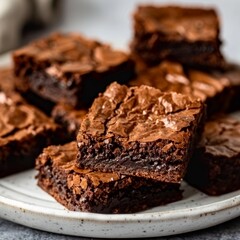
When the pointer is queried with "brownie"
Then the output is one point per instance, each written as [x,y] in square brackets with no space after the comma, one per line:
[70,69]
[233,75]
[69,118]
[24,132]
[215,166]
[89,191]
[7,80]
[213,89]
[140,65]
[10,83]
[140,131]
[185,34]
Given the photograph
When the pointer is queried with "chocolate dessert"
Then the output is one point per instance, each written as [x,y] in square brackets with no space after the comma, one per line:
[70,69]
[184,34]
[140,131]
[90,191]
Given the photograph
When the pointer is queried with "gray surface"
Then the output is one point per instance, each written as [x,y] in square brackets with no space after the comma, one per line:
[110,21]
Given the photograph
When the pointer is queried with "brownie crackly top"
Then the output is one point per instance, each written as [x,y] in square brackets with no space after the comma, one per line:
[143,114]
[191,24]
[63,54]
[7,80]
[222,137]
[18,119]
[65,157]
[171,76]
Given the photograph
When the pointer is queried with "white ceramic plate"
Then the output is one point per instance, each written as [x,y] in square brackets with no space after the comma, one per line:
[21,201]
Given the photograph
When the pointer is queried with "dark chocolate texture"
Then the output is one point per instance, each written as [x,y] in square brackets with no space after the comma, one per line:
[184,34]
[214,90]
[70,69]
[70,119]
[24,132]
[10,83]
[140,131]
[7,80]
[215,166]
[232,74]
[89,191]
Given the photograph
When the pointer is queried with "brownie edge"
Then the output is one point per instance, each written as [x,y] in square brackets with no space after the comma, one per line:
[70,69]
[215,165]
[140,131]
[24,132]
[89,191]
[69,118]
[188,35]
[214,90]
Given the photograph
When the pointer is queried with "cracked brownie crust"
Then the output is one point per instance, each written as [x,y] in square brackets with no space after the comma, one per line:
[70,69]
[215,166]
[140,131]
[214,90]
[187,35]
[24,132]
[89,191]
[70,119]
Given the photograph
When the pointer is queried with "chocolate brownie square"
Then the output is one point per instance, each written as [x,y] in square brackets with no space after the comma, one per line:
[10,83]
[24,132]
[69,118]
[215,166]
[233,75]
[140,131]
[185,34]
[89,191]
[213,89]
[70,69]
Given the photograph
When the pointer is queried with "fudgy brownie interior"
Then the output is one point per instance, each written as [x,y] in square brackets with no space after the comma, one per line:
[90,191]
[140,131]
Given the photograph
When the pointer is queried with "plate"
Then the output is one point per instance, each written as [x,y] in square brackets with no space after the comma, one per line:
[21,201]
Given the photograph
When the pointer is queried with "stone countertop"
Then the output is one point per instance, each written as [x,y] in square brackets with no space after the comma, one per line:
[225,231]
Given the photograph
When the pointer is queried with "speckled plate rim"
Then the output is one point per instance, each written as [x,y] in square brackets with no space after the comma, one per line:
[154,216]
[157,223]
[215,212]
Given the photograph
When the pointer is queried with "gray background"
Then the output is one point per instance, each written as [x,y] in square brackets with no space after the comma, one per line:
[110,21]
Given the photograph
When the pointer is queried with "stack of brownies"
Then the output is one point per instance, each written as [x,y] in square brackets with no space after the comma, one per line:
[122,130]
